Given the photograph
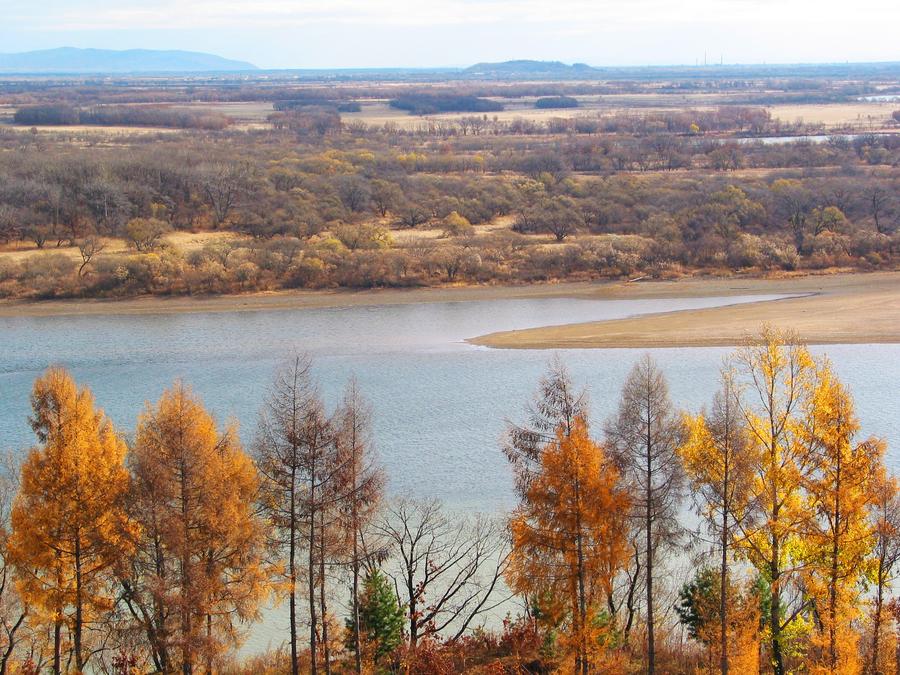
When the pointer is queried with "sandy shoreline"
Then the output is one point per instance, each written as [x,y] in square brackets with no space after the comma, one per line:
[851,308]
[286,300]
[838,308]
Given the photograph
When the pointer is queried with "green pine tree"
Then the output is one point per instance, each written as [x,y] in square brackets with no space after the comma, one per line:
[380,617]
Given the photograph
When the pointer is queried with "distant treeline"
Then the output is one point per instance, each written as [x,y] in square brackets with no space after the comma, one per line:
[430,104]
[317,102]
[138,116]
[116,92]
[556,102]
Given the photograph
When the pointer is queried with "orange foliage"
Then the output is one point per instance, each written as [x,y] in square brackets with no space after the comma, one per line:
[568,540]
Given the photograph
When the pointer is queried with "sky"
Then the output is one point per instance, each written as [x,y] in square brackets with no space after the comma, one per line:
[429,33]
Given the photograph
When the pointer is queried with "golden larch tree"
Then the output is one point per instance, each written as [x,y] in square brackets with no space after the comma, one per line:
[840,538]
[70,529]
[778,377]
[204,545]
[568,537]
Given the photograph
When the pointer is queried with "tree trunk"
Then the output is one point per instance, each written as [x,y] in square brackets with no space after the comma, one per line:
[357,643]
[775,614]
[311,582]
[323,614]
[79,606]
[723,588]
[832,582]
[876,619]
[648,524]
[57,646]
[187,597]
[413,610]
[582,662]
[292,572]
[209,651]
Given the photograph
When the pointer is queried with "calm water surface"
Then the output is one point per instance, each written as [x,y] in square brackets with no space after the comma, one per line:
[440,403]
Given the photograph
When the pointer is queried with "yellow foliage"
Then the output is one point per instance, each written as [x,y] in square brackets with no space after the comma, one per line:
[840,538]
[70,530]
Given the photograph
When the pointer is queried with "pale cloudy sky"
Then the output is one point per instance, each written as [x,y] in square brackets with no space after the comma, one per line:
[378,33]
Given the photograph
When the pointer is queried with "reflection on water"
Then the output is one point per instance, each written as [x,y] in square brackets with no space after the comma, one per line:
[440,403]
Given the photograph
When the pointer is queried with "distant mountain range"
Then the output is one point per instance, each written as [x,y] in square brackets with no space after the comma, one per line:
[72,60]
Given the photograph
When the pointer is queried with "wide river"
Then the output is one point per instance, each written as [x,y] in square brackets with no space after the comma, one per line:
[440,403]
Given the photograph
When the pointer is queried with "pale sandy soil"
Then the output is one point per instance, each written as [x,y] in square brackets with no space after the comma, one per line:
[848,308]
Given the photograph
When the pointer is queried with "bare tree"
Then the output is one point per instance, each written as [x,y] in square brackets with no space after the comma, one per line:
[645,436]
[224,185]
[557,403]
[716,461]
[878,199]
[360,489]
[290,448]
[447,570]
[89,248]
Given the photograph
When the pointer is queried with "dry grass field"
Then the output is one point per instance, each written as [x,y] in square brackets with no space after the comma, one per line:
[862,114]
[185,242]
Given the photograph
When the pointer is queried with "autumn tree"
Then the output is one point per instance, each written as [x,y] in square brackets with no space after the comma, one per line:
[199,574]
[645,436]
[715,457]
[568,538]
[360,488]
[144,234]
[70,529]
[839,539]
[777,376]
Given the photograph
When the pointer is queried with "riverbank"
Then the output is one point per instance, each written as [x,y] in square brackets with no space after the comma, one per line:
[844,308]
[836,308]
[286,300]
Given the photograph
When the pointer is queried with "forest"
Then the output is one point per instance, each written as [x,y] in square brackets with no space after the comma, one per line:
[312,199]
[759,534]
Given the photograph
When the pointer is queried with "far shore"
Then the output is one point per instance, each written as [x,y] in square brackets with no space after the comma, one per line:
[303,299]
[835,309]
